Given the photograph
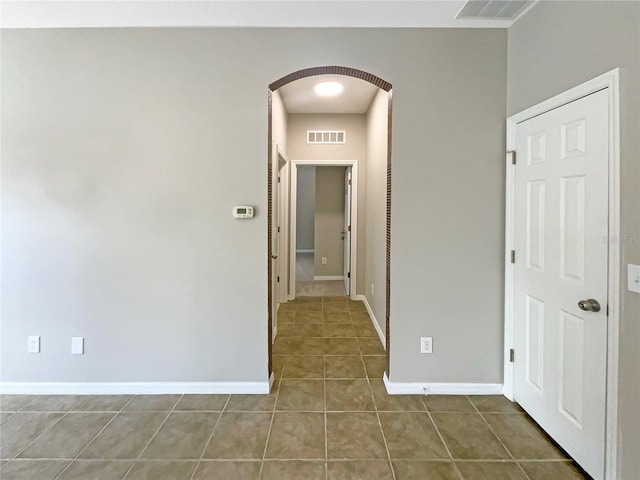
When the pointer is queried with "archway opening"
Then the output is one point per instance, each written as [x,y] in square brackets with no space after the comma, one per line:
[378,115]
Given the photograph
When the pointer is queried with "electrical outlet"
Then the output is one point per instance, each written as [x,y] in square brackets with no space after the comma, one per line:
[33,344]
[373,290]
[426,344]
[77,345]
[324,260]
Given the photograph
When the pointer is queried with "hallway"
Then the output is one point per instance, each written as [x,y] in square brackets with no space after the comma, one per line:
[306,286]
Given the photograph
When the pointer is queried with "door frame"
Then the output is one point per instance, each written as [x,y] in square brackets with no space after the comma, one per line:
[294,208]
[610,82]
[284,214]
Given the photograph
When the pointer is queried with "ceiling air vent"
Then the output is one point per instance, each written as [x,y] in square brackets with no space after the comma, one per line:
[326,137]
[497,9]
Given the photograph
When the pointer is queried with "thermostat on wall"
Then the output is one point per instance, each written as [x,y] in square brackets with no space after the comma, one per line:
[243,211]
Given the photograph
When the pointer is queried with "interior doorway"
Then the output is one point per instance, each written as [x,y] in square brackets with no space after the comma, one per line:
[562,291]
[324,228]
[376,97]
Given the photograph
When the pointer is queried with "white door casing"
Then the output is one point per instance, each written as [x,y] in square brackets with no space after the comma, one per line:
[609,84]
[347,231]
[284,208]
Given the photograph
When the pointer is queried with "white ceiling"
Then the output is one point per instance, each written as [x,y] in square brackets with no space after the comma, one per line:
[299,96]
[240,13]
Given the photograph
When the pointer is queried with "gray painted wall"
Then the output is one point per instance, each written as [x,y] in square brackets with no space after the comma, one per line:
[376,208]
[354,149]
[280,121]
[329,221]
[306,208]
[124,150]
[554,47]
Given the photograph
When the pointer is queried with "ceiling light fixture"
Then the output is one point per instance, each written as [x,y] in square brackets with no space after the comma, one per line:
[329,89]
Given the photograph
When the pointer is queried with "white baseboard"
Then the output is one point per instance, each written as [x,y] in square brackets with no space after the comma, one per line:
[374,320]
[328,277]
[133,388]
[305,250]
[418,388]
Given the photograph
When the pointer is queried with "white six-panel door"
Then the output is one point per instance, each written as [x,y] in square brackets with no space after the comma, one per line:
[561,247]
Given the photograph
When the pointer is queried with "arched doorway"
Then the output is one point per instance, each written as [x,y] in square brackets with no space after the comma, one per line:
[272,153]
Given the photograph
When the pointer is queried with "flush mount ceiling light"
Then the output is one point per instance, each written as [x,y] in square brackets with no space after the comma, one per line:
[328,89]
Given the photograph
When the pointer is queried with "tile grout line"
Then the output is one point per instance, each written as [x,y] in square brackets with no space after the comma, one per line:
[11,414]
[204,449]
[24,406]
[95,436]
[446,447]
[273,415]
[375,406]
[152,437]
[499,439]
[324,387]
[46,429]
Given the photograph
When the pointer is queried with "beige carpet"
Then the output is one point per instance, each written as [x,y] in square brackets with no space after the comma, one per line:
[306,286]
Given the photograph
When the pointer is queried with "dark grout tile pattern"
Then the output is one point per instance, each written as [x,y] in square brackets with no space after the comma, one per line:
[328,417]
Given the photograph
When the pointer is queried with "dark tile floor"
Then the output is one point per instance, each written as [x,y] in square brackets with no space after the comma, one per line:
[328,418]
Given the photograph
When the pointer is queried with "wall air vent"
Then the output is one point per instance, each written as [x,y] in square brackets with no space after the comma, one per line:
[496,9]
[326,137]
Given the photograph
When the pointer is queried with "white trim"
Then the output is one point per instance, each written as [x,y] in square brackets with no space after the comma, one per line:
[328,277]
[419,388]
[374,320]
[293,212]
[354,216]
[509,268]
[609,81]
[282,293]
[132,388]
[305,250]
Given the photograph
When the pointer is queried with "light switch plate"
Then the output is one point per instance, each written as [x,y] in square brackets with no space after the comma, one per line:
[633,278]
[77,345]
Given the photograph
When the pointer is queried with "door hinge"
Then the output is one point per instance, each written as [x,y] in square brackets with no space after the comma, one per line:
[278,229]
[349,181]
[512,355]
[513,156]
[349,228]
[607,309]
[349,275]
[513,256]
[278,178]
[278,279]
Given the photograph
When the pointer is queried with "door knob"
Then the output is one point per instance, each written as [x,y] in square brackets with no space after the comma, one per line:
[590,305]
